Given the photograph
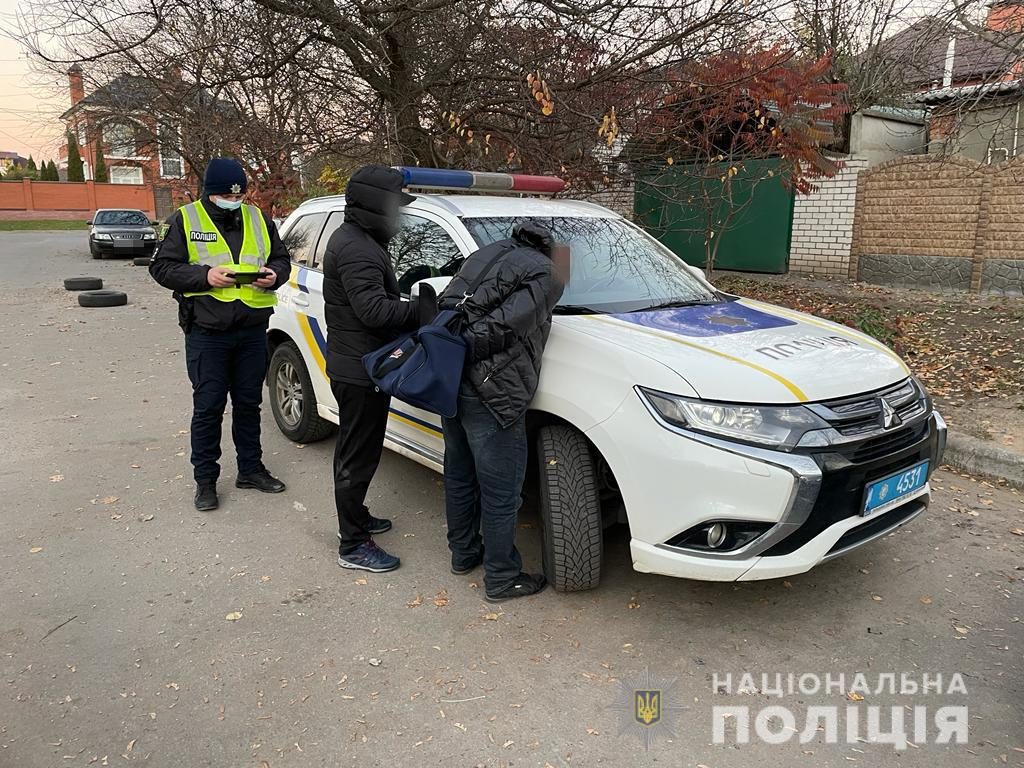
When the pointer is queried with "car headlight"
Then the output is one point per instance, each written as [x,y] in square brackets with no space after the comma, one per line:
[101,236]
[780,427]
[149,236]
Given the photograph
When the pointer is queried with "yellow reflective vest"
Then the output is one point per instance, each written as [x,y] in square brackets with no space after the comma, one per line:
[206,245]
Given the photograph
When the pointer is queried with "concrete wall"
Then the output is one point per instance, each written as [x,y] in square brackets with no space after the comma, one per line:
[878,138]
[28,199]
[823,224]
[946,223]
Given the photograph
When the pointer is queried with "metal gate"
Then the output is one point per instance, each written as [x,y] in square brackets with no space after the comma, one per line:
[677,204]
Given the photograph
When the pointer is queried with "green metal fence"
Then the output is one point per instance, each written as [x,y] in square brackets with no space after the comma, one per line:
[670,204]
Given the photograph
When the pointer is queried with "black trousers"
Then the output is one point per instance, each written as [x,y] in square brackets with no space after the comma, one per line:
[221,363]
[363,420]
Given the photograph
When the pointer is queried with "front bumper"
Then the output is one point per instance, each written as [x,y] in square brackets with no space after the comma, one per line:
[677,480]
[123,247]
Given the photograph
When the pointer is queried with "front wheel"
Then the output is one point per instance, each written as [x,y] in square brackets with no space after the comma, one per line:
[570,509]
[292,398]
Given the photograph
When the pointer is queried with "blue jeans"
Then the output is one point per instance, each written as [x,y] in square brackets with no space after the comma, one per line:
[220,363]
[484,470]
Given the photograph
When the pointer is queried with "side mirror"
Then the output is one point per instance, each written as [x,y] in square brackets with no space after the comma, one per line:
[697,272]
[437,283]
[88,223]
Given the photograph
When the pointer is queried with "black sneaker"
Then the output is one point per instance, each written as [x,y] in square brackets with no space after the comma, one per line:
[260,481]
[369,557]
[523,585]
[377,525]
[206,497]
[464,568]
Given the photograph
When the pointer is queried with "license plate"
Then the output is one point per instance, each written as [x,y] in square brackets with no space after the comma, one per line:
[891,491]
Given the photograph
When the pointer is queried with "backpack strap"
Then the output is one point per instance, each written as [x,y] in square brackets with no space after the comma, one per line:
[472,287]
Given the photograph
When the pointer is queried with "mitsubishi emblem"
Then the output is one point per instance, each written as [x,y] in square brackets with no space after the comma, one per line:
[890,418]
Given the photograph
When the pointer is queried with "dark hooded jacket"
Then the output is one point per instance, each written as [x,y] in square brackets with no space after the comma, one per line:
[508,322]
[363,303]
[171,269]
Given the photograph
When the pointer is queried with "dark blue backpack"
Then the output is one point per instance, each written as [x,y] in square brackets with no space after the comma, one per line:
[424,368]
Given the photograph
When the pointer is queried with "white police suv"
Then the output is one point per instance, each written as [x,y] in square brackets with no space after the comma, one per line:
[738,440]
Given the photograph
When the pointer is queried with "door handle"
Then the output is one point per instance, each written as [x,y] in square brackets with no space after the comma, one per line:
[300,301]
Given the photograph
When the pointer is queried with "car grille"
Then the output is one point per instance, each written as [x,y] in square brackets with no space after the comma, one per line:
[844,478]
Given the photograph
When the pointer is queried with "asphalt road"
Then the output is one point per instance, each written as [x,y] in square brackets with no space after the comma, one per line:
[115,597]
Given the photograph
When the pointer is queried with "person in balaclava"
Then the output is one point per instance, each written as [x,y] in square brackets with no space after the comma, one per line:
[224,259]
[364,312]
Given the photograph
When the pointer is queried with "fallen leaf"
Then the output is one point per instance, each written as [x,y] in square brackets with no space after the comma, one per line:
[926,600]
[877,598]
[131,745]
[375,662]
[593,732]
[145,518]
[787,584]
[136,466]
[234,616]
[56,478]
[106,500]
[441,598]
[416,602]
[961,630]
[361,582]
[36,550]
[298,506]
[491,616]
[1017,531]
[633,603]
[264,579]
[854,696]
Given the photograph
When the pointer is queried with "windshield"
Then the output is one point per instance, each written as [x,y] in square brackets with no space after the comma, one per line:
[121,218]
[615,267]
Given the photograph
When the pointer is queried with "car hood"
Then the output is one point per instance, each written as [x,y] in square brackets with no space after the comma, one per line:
[124,229]
[748,352]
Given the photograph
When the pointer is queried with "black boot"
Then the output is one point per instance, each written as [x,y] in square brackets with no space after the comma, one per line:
[206,497]
[261,481]
[523,585]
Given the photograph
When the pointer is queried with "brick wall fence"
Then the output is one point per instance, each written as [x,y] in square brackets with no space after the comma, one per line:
[941,222]
[28,199]
[823,223]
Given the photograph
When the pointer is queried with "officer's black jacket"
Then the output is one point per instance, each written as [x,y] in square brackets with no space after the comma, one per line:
[363,304]
[171,269]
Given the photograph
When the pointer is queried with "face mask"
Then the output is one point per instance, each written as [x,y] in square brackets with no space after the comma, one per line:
[227,205]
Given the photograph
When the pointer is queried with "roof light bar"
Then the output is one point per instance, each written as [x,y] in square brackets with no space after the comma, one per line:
[440,178]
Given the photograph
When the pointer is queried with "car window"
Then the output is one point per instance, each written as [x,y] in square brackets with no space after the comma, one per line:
[334,221]
[420,250]
[301,238]
[615,267]
[121,218]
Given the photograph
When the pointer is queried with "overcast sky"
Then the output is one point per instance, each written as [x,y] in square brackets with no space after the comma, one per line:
[29,103]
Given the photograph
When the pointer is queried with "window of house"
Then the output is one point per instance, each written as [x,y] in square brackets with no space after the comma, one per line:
[125,174]
[119,140]
[419,250]
[171,164]
[302,237]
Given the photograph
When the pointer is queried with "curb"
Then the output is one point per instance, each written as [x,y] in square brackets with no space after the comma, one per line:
[985,459]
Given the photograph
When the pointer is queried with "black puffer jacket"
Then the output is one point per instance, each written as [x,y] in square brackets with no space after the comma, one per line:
[509,319]
[364,309]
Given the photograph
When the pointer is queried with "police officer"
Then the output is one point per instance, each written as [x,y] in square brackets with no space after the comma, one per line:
[224,259]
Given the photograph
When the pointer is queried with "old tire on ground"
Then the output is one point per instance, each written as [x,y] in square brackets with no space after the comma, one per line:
[83,284]
[570,509]
[292,398]
[141,261]
[102,299]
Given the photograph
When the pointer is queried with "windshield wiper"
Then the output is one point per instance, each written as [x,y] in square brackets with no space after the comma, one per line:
[676,303]
[577,309]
